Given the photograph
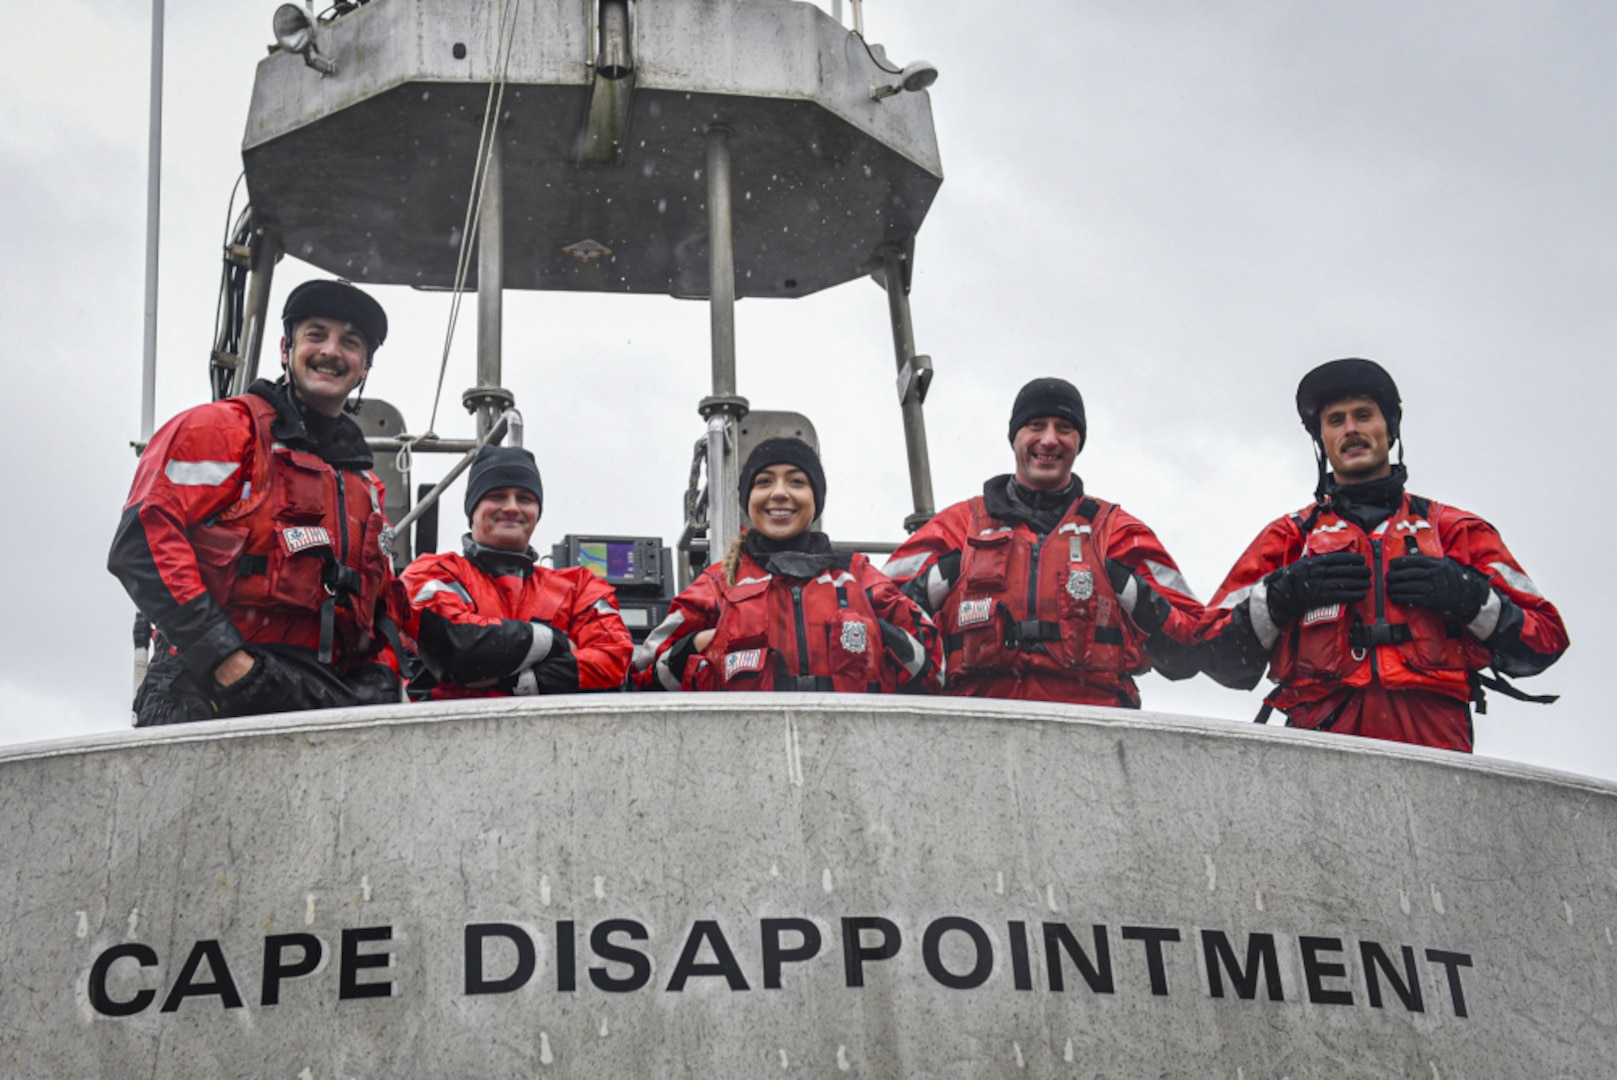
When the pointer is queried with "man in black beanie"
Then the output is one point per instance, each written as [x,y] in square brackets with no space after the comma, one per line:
[1045,593]
[492,622]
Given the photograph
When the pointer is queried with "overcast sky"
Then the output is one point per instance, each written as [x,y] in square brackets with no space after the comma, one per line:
[1180,207]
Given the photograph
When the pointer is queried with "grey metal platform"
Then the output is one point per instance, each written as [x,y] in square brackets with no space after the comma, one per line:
[741,885]
[823,175]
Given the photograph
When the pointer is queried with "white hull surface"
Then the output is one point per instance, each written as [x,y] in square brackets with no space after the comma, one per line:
[746,885]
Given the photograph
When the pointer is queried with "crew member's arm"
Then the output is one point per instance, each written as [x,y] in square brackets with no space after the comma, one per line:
[1480,583]
[601,643]
[464,647]
[193,469]
[927,565]
[911,645]
[1156,595]
[1235,644]
[661,661]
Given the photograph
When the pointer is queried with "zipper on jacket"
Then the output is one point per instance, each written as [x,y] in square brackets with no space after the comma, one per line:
[342,517]
[1381,601]
[1033,579]
[802,631]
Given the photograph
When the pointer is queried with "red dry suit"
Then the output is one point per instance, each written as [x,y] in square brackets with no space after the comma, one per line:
[1038,617]
[838,625]
[237,530]
[1375,668]
[491,623]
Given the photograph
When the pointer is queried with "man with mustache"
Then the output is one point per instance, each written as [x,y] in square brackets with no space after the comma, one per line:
[1375,610]
[1043,592]
[252,535]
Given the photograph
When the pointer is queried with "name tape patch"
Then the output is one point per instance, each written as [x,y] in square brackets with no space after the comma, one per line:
[1323,614]
[738,663]
[973,612]
[301,537]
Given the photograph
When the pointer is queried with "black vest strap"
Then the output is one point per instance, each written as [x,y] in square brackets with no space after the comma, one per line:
[1362,636]
[1088,508]
[1420,506]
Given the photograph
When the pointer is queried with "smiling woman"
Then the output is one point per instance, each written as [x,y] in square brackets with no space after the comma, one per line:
[785,610]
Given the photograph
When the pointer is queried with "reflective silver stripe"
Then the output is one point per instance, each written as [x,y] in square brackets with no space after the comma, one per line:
[917,657]
[246,490]
[543,638]
[665,676]
[842,578]
[755,580]
[1235,597]
[1516,579]
[995,532]
[1170,577]
[907,566]
[1487,620]
[199,473]
[604,606]
[371,483]
[1130,595]
[646,651]
[937,590]
[1258,611]
[433,587]
[527,684]
[1074,527]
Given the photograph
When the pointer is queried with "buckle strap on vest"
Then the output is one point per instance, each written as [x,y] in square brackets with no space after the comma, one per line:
[1362,636]
[1027,632]
[801,683]
[328,628]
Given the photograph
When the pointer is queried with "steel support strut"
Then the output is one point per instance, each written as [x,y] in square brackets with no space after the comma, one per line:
[488,399]
[914,376]
[724,407]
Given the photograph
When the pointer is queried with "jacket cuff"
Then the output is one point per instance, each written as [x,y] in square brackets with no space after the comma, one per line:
[206,652]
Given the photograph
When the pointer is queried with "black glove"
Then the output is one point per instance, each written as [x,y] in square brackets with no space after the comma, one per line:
[1439,584]
[1148,608]
[1337,577]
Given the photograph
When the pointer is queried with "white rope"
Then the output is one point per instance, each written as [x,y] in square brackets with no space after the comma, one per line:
[474,201]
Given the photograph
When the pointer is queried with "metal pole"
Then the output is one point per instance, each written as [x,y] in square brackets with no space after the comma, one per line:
[898,309]
[724,406]
[490,280]
[721,262]
[154,191]
[256,308]
[497,429]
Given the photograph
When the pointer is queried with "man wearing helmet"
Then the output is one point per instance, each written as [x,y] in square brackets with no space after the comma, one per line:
[1043,592]
[251,537]
[1375,610]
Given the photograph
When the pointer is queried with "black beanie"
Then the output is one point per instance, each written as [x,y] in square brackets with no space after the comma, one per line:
[502,467]
[794,452]
[1049,397]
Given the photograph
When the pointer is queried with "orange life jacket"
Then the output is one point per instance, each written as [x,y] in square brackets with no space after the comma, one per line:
[298,559]
[1025,605]
[1349,645]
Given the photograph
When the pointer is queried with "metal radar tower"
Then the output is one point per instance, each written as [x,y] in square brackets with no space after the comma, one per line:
[590,145]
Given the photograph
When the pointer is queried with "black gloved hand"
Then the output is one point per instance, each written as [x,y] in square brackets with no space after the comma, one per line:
[1148,608]
[1337,577]
[1439,584]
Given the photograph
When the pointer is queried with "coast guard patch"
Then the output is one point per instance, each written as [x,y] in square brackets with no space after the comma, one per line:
[853,637]
[1081,583]
[1323,614]
[973,612]
[301,537]
[738,663]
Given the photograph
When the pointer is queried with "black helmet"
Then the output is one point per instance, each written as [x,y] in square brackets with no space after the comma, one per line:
[1350,377]
[336,300]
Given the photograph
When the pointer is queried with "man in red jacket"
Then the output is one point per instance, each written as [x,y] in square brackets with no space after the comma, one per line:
[492,622]
[252,534]
[1375,610]
[1042,591]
